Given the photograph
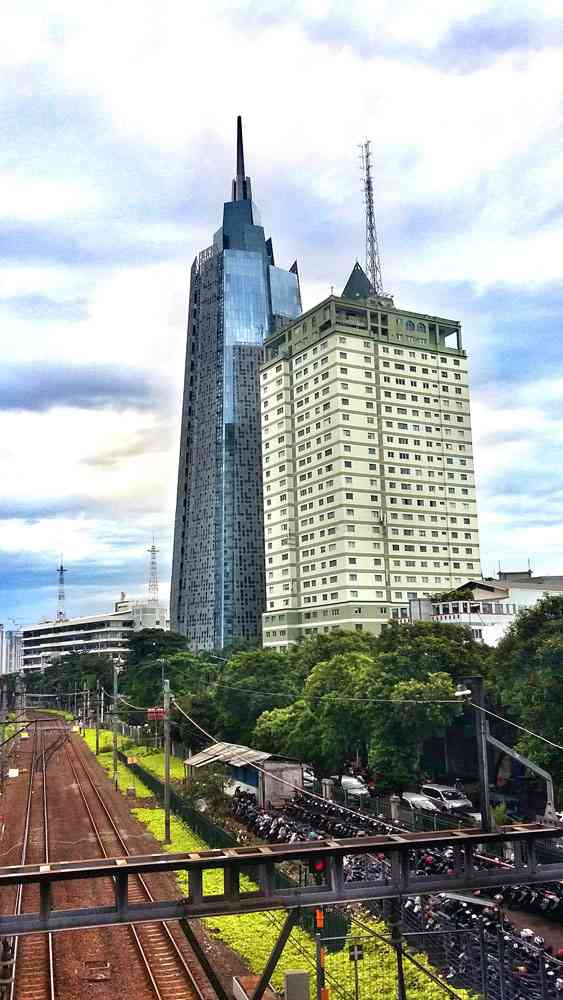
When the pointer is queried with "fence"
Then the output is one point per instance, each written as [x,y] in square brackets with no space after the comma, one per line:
[215,836]
[367,964]
[499,965]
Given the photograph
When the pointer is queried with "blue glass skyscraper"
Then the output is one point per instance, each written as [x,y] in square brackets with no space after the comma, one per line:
[237,297]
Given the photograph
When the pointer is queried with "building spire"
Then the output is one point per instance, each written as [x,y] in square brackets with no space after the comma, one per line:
[241,184]
[240,149]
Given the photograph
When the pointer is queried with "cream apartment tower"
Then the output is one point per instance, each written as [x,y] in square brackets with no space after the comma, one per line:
[369,490]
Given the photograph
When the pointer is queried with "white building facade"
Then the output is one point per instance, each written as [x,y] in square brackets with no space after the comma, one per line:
[494,605]
[106,634]
[369,492]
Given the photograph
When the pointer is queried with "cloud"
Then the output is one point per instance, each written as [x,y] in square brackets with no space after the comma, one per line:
[38,307]
[114,179]
[39,389]
[142,442]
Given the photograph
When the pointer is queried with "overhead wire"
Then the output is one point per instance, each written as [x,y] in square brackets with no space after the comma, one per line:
[282,781]
[516,725]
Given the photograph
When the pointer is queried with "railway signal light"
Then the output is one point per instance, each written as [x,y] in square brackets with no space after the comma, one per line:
[317,868]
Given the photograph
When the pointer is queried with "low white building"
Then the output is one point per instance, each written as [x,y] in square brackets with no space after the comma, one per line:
[493,605]
[106,634]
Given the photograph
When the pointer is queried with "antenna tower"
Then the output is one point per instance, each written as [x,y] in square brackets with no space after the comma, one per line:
[153,574]
[61,616]
[373,261]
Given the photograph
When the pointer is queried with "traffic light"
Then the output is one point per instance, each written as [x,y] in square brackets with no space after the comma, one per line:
[317,868]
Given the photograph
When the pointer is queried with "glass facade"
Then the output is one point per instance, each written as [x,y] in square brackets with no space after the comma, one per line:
[245,297]
[284,286]
[236,298]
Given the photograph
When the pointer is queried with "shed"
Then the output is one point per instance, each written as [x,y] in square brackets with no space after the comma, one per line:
[274,778]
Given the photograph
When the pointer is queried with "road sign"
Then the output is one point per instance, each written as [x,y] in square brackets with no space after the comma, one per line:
[355,952]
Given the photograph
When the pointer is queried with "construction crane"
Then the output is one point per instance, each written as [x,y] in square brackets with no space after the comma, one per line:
[373,260]
[61,616]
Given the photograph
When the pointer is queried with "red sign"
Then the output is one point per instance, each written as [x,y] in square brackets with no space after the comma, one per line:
[155,714]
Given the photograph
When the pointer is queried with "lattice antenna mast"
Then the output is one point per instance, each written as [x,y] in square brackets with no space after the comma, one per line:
[61,615]
[153,574]
[373,260]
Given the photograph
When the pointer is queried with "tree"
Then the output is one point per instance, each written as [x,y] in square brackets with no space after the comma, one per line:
[249,684]
[296,731]
[153,643]
[346,706]
[526,669]
[422,708]
[420,647]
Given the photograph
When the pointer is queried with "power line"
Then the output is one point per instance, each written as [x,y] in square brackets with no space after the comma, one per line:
[529,732]
[275,777]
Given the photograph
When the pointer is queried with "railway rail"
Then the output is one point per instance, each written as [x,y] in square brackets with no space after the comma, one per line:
[165,965]
[32,959]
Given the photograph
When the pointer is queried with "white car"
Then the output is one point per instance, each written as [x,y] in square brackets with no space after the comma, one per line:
[420,803]
[448,799]
[354,787]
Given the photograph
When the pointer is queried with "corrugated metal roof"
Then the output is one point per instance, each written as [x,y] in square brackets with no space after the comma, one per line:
[227,753]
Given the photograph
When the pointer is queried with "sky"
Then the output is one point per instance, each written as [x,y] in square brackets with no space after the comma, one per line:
[118,125]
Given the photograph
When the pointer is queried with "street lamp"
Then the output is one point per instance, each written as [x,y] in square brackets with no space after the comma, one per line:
[475,694]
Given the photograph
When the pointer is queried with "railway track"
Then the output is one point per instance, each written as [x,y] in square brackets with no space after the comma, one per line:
[33,956]
[164,963]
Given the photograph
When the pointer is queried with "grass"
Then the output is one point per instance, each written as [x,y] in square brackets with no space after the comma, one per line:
[125,778]
[253,935]
[150,758]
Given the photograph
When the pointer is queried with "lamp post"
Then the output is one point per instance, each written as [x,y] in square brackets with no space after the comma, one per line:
[166,691]
[476,694]
[166,733]
[117,664]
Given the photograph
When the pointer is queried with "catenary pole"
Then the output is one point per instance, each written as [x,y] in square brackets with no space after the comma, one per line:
[166,686]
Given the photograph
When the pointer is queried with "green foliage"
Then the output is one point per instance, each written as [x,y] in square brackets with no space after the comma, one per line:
[70,672]
[526,670]
[153,643]
[253,935]
[500,814]
[125,778]
[242,691]
[322,701]
[346,702]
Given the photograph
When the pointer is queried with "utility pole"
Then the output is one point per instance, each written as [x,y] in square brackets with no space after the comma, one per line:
[166,761]
[114,724]
[477,695]
[397,941]
[97,716]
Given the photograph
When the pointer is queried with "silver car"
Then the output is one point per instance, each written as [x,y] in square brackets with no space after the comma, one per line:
[448,799]
[420,803]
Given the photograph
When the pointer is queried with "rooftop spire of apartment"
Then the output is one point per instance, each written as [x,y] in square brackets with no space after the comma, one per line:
[358,285]
[241,184]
